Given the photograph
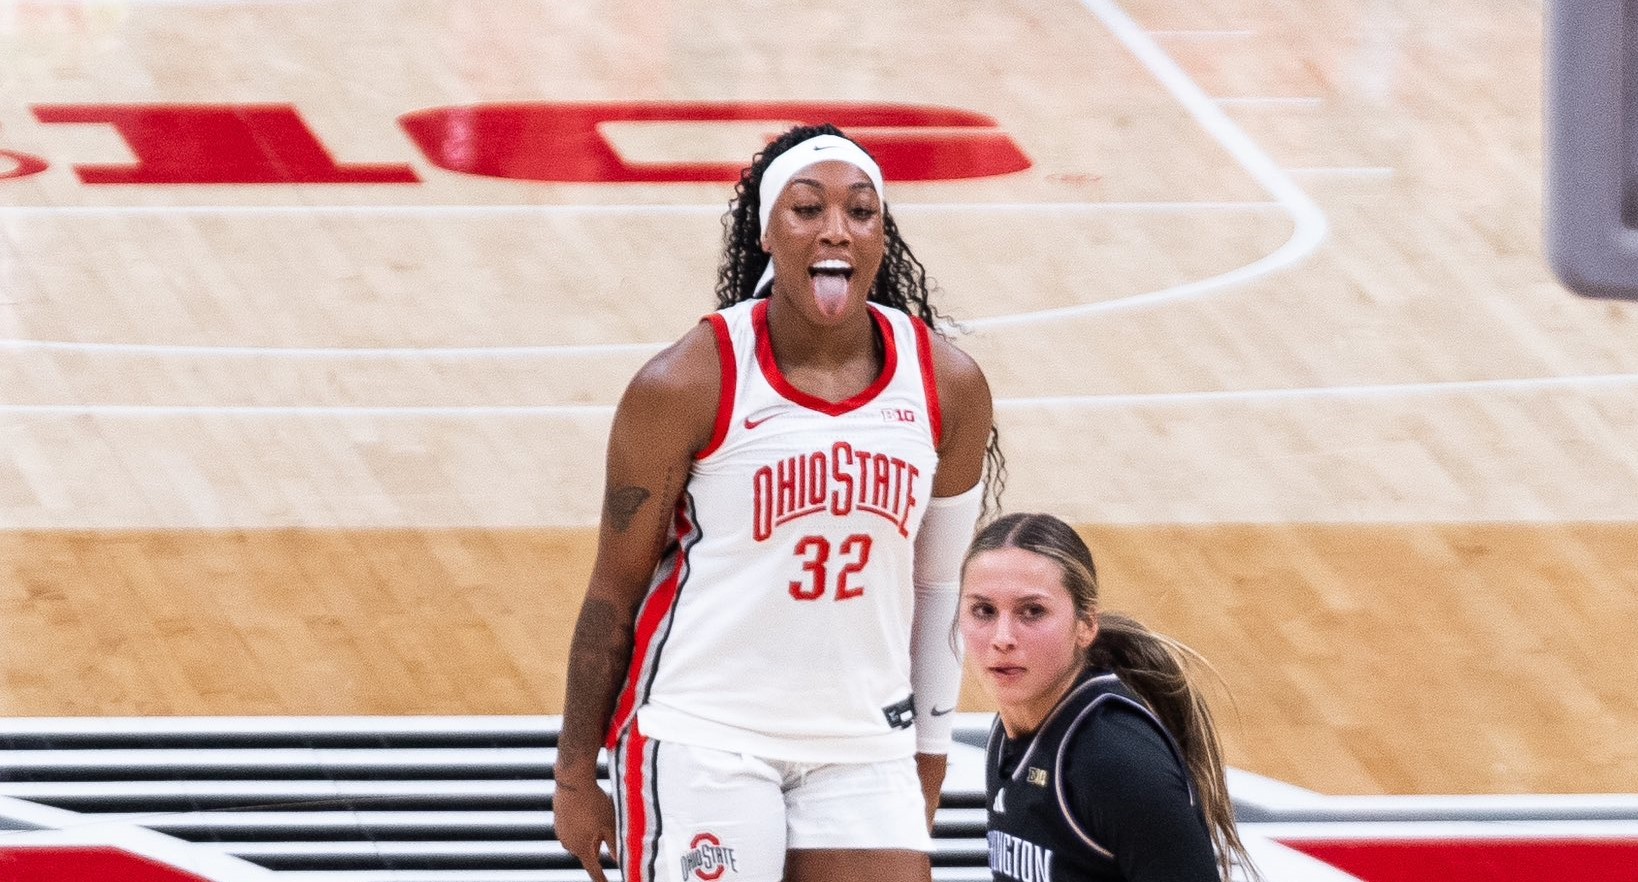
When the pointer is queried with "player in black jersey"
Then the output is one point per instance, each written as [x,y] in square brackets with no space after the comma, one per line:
[1103,763]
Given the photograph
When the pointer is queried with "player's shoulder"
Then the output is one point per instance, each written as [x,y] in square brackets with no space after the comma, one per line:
[687,365]
[961,382]
[1121,740]
[953,360]
[679,387]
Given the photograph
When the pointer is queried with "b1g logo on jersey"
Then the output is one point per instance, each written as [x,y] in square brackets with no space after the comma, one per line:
[898,415]
[707,858]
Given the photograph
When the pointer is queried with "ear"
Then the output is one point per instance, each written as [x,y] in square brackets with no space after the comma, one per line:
[1086,631]
[763,242]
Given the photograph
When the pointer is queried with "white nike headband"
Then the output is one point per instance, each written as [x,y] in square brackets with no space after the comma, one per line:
[778,174]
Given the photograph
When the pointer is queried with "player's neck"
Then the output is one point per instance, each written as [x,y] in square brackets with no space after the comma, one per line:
[798,342]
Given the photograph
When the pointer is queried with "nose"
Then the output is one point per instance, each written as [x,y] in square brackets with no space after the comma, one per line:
[1002,637]
[833,230]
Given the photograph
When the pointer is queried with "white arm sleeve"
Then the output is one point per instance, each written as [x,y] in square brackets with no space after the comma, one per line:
[935,653]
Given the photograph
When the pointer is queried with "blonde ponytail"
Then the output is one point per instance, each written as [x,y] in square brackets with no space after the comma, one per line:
[1156,668]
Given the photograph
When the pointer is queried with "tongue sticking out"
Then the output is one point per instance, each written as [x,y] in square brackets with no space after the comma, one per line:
[830,291]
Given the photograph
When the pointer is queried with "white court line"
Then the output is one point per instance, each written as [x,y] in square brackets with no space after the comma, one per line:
[416,210]
[1498,830]
[1309,223]
[505,210]
[298,352]
[1064,402]
[255,410]
[1390,390]
[1204,35]
[184,2]
[1270,100]
[1310,230]
[503,352]
[1352,171]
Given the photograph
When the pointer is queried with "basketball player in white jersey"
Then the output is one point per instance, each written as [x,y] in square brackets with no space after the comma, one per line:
[764,647]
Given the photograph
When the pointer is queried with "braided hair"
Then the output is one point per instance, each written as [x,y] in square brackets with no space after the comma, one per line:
[901,281]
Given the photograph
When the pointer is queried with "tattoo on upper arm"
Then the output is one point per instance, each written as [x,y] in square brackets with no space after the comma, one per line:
[621,504]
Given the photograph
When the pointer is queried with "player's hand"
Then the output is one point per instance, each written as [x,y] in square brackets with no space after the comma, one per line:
[584,818]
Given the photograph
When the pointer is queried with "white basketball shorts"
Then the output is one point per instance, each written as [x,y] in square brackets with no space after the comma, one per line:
[693,814]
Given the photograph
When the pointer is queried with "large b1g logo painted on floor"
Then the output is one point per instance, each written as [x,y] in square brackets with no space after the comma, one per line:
[530,141]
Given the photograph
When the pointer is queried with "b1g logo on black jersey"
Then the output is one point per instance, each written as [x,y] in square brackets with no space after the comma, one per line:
[840,482]
[707,858]
[1019,859]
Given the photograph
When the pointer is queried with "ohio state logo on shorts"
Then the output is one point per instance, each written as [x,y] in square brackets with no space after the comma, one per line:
[707,858]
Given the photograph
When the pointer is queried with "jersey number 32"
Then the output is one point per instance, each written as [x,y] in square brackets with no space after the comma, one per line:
[815,554]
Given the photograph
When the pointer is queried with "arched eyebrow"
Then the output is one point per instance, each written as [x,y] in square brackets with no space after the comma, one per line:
[1032,597]
[866,185]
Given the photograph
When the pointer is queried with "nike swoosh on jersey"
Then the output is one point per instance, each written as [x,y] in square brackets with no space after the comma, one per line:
[751,424]
[939,713]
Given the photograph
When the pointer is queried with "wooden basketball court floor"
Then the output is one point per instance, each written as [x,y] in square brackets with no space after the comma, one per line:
[1267,316]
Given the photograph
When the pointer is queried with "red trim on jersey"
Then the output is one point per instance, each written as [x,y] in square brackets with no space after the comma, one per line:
[929,382]
[651,618]
[635,859]
[725,396]
[770,367]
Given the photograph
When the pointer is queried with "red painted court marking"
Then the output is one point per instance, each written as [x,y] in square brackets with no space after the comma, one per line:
[1479,860]
[258,144]
[216,144]
[557,142]
[74,864]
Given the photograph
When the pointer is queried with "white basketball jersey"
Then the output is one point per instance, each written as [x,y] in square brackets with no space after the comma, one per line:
[778,621]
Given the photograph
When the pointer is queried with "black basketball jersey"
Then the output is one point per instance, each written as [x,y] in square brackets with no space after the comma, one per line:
[1034,835]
